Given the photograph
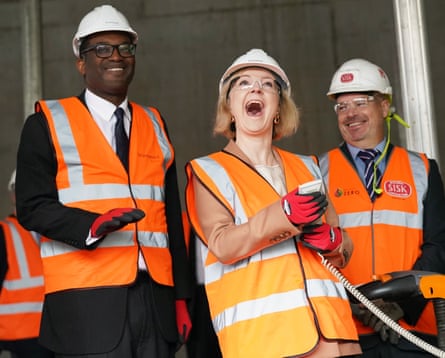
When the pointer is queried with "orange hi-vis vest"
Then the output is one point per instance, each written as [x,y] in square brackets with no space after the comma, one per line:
[279,301]
[21,296]
[90,176]
[387,234]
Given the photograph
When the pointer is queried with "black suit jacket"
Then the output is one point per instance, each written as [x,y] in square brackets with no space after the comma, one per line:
[88,320]
[3,258]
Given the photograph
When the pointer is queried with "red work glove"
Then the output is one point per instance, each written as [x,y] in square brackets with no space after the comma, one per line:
[114,220]
[321,237]
[183,321]
[304,208]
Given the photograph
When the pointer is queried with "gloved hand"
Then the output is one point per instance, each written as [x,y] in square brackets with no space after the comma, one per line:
[114,220]
[183,321]
[321,237]
[391,309]
[304,208]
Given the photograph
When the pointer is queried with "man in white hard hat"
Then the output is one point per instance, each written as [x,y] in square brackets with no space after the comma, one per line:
[96,176]
[21,287]
[390,201]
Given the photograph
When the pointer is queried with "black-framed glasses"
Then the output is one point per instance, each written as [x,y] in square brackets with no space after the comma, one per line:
[106,50]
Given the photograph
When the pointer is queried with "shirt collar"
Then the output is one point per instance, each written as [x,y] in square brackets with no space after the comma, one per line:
[103,109]
[354,150]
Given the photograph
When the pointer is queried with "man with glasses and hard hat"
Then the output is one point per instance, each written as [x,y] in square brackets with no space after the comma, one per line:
[96,176]
[390,201]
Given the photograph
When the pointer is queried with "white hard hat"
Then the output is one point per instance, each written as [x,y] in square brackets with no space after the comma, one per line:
[358,75]
[101,18]
[256,58]
[11,183]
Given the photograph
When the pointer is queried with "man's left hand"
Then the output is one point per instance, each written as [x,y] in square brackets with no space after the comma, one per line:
[183,321]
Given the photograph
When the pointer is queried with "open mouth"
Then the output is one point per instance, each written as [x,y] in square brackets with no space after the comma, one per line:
[254,108]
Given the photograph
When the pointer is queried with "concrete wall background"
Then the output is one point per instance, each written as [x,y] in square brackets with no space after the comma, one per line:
[184,48]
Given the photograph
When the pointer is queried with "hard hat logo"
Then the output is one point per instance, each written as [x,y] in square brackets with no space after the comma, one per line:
[101,18]
[347,77]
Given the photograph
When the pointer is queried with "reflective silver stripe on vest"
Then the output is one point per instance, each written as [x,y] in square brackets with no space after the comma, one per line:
[26,280]
[153,239]
[160,134]
[420,175]
[114,239]
[388,217]
[278,302]
[323,163]
[311,165]
[109,191]
[50,248]
[24,307]
[222,180]
[216,270]
[65,136]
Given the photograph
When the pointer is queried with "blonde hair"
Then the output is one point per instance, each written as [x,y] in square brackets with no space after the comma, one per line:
[289,115]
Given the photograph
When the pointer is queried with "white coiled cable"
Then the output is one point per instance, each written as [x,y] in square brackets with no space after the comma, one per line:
[385,318]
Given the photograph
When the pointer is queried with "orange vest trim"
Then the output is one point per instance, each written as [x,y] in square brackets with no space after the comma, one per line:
[281,286]
[96,183]
[389,226]
[21,296]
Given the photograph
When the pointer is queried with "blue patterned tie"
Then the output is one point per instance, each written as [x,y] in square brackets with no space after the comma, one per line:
[121,137]
[368,156]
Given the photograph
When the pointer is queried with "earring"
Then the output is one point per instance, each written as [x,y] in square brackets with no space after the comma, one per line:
[276,120]
[233,119]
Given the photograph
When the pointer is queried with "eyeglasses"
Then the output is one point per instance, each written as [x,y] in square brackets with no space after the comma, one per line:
[106,50]
[246,83]
[356,103]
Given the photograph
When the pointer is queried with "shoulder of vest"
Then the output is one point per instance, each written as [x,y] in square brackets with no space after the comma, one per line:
[303,157]
[73,99]
[409,152]
[419,156]
[149,109]
[416,154]
[49,102]
[204,157]
[225,154]
[152,112]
